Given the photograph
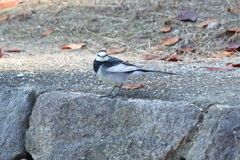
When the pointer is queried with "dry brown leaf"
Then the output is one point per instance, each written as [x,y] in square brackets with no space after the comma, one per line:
[185,48]
[236,50]
[115,51]
[166,29]
[134,86]
[153,57]
[234,65]
[170,41]
[8,4]
[227,68]
[157,48]
[233,31]
[74,46]
[13,50]
[233,9]
[3,18]
[205,23]
[224,54]
[47,32]
[174,57]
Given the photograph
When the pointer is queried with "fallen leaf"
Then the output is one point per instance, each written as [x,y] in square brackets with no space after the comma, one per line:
[157,48]
[166,29]
[231,45]
[47,32]
[233,9]
[134,86]
[186,15]
[8,4]
[142,37]
[1,51]
[170,41]
[153,57]
[115,51]
[234,65]
[233,31]
[205,23]
[13,50]
[227,68]
[224,54]
[186,48]
[3,18]
[74,46]
[1,55]
[174,57]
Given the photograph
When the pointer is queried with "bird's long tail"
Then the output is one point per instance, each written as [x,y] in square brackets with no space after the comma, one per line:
[152,71]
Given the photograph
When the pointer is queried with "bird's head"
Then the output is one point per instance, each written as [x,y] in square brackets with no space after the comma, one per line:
[102,56]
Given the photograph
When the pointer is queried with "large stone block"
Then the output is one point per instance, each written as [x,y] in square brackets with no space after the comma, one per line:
[82,126]
[15,109]
[219,136]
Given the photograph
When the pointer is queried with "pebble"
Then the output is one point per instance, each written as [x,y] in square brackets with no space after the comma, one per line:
[212,25]
[175,32]
[20,75]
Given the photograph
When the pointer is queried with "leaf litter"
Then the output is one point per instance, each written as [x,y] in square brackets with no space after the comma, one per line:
[170,41]
[134,86]
[227,68]
[186,15]
[74,46]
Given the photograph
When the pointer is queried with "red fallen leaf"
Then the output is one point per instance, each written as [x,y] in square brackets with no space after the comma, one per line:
[205,23]
[157,48]
[227,68]
[134,86]
[174,57]
[3,18]
[13,50]
[170,41]
[153,57]
[234,65]
[115,51]
[166,29]
[224,54]
[8,4]
[186,15]
[186,48]
[237,50]
[74,46]
[48,32]
[233,31]
[1,55]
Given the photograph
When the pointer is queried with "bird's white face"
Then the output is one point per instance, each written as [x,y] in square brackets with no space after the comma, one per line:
[102,56]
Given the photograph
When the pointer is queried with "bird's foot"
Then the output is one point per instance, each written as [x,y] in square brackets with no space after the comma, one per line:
[109,96]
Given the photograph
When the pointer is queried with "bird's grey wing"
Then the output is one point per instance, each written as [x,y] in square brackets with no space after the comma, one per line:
[123,67]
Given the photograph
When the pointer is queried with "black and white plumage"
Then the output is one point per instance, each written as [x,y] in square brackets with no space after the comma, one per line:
[115,72]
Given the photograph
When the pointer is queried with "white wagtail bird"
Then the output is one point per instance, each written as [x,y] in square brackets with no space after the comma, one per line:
[115,72]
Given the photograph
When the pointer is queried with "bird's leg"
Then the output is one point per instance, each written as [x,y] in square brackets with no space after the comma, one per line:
[109,93]
[118,91]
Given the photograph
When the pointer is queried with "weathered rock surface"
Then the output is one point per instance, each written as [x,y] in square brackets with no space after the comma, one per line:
[219,137]
[15,108]
[82,126]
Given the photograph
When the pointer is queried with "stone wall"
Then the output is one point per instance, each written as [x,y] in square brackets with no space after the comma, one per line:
[60,125]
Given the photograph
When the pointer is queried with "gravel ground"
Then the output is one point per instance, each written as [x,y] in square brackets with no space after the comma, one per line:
[46,67]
